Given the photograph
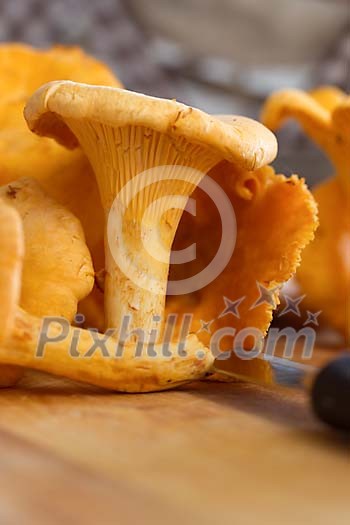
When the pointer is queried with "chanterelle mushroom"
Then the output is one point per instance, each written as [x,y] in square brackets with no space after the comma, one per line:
[57,269]
[75,354]
[324,274]
[123,134]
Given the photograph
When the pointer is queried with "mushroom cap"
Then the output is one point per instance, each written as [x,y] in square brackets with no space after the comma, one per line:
[328,96]
[324,115]
[294,103]
[242,141]
[57,269]
[11,259]
[24,68]
[65,175]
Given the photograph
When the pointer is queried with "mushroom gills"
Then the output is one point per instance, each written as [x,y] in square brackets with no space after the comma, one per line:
[153,174]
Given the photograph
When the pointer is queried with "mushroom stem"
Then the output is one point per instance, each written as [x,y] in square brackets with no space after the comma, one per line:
[74,353]
[124,298]
[145,178]
[341,132]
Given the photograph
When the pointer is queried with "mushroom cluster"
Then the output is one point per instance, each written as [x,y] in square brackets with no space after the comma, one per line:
[108,210]
[21,333]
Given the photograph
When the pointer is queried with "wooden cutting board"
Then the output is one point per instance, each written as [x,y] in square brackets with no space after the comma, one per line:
[229,453]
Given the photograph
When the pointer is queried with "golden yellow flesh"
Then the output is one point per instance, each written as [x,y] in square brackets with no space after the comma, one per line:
[125,374]
[21,334]
[11,258]
[65,175]
[324,275]
[57,268]
[276,219]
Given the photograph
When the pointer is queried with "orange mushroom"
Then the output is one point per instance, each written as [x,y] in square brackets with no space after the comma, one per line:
[324,275]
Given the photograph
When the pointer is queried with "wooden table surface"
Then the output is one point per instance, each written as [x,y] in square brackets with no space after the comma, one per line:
[229,453]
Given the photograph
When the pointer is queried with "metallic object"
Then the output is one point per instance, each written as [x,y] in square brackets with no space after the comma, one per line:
[328,387]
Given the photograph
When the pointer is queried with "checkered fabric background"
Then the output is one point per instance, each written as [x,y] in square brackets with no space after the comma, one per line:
[103,28]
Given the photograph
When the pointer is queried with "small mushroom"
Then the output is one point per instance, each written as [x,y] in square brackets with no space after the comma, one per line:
[324,274]
[124,134]
[21,334]
[57,268]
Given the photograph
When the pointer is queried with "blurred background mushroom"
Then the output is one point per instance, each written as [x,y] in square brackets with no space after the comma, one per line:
[223,56]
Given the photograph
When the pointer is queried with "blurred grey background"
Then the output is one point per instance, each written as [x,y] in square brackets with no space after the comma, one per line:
[223,56]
